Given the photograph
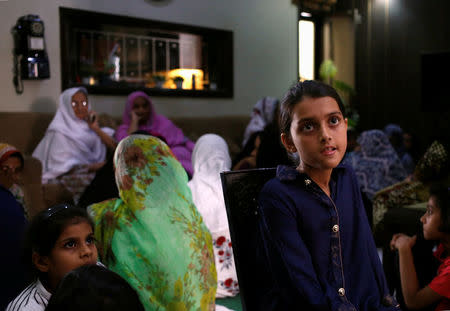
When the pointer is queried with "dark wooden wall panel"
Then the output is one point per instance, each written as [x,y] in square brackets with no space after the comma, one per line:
[389,43]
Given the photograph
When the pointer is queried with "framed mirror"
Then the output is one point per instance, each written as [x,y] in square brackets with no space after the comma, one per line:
[115,55]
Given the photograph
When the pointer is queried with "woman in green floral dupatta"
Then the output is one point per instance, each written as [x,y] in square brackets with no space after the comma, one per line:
[153,235]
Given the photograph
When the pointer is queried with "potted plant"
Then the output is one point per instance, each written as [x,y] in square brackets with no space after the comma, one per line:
[159,80]
[327,72]
[178,80]
[108,68]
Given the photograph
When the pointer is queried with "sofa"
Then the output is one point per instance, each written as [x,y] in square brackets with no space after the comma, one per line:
[24,130]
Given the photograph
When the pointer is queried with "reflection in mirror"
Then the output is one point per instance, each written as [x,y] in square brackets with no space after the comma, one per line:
[170,59]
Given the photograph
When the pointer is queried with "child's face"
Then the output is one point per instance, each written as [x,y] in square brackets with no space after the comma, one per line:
[318,133]
[75,247]
[431,221]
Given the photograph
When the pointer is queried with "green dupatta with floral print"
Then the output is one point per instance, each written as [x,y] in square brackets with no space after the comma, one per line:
[153,235]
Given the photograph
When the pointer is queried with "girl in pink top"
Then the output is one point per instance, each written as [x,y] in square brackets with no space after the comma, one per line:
[436,226]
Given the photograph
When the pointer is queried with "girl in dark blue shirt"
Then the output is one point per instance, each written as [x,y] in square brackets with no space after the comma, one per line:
[317,243]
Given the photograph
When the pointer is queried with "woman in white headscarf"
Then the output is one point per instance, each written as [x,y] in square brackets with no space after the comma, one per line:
[209,158]
[74,146]
[263,114]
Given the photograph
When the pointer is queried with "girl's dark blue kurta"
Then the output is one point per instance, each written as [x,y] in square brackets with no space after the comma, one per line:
[319,252]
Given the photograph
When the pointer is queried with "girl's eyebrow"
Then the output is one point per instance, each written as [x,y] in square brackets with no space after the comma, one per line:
[68,239]
[74,238]
[312,119]
[334,113]
[305,120]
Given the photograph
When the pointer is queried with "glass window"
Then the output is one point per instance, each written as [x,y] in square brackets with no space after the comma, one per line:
[306,33]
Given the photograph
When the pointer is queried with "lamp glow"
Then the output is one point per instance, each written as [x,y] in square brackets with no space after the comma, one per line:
[187,75]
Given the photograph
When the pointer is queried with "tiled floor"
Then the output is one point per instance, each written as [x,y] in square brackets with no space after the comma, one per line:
[233,303]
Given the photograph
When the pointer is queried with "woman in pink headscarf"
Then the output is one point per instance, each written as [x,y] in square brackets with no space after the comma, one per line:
[140,115]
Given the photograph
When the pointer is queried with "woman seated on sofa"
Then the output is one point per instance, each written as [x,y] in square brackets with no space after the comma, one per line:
[74,146]
[140,115]
[10,153]
[375,162]
[12,225]
[264,112]
[395,134]
[263,148]
[153,236]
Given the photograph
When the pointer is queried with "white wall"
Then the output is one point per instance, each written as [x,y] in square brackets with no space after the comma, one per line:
[265,53]
[343,34]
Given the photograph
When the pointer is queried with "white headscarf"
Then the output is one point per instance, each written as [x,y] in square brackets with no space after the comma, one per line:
[262,114]
[68,140]
[209,158]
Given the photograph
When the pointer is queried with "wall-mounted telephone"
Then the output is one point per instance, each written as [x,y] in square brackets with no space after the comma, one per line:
[30,57]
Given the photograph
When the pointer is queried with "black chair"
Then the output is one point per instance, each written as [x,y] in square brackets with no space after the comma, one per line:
[240,190]
[102,187]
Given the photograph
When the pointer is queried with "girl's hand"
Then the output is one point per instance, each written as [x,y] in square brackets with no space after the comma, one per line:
[401,241]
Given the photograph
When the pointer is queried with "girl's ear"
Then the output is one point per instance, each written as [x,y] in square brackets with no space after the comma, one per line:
[40,262]
[287,143]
